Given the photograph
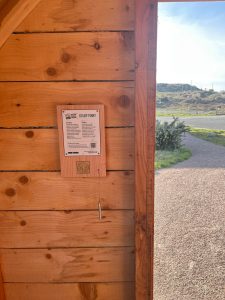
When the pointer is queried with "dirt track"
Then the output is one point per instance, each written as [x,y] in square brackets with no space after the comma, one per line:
[190,226]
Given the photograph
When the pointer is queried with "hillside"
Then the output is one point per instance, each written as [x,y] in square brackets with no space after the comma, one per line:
[177,87]
[186,98]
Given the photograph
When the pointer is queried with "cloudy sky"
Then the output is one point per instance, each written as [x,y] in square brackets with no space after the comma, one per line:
[191,44]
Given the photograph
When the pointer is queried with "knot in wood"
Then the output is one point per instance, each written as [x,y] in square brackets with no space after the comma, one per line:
[97,46]
[23,223]
[23,179]
[29,134]
[88,291]
[48,256]
[65,57]
[51,71]
[10,192]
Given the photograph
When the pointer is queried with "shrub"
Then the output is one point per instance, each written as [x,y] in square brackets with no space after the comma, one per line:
[169,135]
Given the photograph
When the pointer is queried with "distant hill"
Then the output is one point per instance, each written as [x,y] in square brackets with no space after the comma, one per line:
[189,98]
[176,87]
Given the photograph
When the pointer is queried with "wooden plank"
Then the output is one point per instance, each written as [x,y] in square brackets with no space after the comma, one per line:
[12,13]
[151,142]
[67,15]
[68,265]
[82,165]
[34,104]
[2,3]
[2,286]
[120,148]
[49,191]
[68,56]
[146,39]
[70,291]
[37,149]
[66,229]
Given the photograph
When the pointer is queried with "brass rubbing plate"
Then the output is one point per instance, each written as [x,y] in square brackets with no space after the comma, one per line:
[77,164]
[83,167]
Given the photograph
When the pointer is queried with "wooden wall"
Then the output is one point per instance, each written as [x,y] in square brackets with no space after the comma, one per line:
[52,243]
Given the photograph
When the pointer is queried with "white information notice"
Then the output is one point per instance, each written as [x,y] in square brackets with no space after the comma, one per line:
[81,130]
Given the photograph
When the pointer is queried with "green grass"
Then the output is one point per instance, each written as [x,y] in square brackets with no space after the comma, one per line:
[165,159]
[210,135]
[183,114]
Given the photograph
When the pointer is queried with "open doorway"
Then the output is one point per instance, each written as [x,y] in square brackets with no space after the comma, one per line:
[190,195]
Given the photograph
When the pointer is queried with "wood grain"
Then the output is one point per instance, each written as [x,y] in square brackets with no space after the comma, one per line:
[68,265]
[68,291]
[145,99]
[67,15]
[151,142]
[68,56]
[34,104]
[49,191]
[97,163]
[38,149]
[2,3]
[2,286]
[12,13]
[66,229]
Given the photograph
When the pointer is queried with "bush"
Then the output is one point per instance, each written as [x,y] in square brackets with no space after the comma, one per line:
[169,135]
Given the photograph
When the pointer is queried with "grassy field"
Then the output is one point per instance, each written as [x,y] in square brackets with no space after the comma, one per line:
[210,135]
[165,159]
[164,113]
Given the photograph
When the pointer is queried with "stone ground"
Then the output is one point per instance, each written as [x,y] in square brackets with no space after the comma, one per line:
[190,226]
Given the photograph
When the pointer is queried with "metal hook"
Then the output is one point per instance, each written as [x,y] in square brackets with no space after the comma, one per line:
[100,210]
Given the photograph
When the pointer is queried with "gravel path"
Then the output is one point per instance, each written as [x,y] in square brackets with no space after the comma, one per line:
[190,227]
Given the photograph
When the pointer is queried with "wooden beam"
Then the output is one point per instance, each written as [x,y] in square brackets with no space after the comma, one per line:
[145,98]
[2,2]
[12,13]
[2,290]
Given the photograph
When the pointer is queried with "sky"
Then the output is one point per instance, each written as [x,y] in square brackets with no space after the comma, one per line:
[191,44]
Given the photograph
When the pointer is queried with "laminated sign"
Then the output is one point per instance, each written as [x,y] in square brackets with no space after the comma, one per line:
[82,140]
[81,131]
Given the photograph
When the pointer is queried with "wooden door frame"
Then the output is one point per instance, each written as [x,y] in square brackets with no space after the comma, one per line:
[145,119]
[145,108]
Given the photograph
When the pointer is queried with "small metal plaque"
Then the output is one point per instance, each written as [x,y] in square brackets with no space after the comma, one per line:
[83,167]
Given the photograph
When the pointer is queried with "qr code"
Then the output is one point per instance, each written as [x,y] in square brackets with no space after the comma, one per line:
[93,145]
